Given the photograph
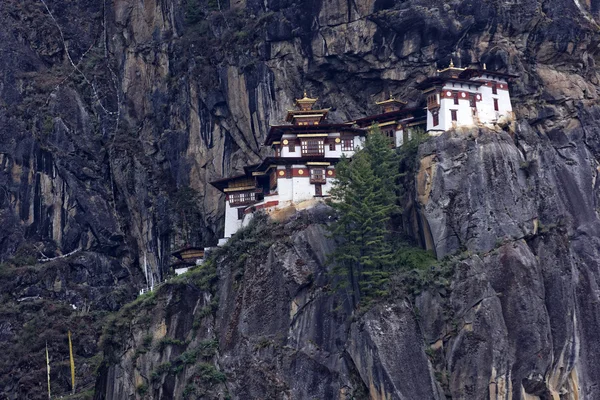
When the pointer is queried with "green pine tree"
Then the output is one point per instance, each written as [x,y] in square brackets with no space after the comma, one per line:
[365,195]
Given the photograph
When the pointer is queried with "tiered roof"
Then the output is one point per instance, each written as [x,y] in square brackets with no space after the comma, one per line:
[305,112]
[460,75]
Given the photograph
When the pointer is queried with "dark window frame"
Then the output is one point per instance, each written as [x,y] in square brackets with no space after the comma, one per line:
[318,190]
[347,144]
[317,175]
[313,147]
[473,101]
[242,198]
[496,105]
[454,115]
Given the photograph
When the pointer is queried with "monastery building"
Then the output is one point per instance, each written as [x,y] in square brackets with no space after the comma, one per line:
[301,170]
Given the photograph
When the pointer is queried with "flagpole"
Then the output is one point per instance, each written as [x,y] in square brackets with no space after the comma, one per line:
[72,364]
[48,369]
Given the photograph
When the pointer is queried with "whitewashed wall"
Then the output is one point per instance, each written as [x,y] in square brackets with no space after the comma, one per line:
[232,224]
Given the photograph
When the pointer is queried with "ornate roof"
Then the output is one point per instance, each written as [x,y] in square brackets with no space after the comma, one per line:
[306,102]
[391,100]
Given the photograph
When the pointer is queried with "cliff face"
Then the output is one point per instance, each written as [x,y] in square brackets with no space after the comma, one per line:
[280,326]
[115,115]
[523,212]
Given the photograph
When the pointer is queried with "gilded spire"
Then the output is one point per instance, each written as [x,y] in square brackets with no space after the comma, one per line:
[305,103]
[391,104]
[451,67]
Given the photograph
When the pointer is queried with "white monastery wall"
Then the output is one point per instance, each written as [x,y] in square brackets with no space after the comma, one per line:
[485,108]
[285,189]
[337,153]
[303,190]
[232,223]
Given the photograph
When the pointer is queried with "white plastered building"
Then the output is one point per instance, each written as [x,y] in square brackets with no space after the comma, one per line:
[463,97]
[301,172]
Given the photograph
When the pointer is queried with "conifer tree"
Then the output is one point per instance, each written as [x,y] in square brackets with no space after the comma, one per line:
[365,197]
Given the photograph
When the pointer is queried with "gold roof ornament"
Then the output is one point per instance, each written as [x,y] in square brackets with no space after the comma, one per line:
[451,67]
[306,102]
[391,100]
[306,112]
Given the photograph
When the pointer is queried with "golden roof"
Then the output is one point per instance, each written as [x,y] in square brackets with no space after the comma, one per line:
[450,67]
[291,114]
[306,100]
[391,100]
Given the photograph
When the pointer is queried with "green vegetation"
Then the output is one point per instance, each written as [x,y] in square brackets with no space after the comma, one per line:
[24,256]
[251,242]
[193,12]
[209,374]
[365,196]
[204,351]
[189,390]
[167,341]
[164,368]
[147,342]
[142,389]
[188,214]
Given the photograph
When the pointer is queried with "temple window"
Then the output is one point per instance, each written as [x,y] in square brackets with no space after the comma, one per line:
[496,108]
[317,175]
[243,198]
[347,144]
[494,88]
[432,101]
[313,147]
[288,172]
[453,114]
[436,119]
[292,147]
[473,101]
[332,146]
[240,212]
[455,98]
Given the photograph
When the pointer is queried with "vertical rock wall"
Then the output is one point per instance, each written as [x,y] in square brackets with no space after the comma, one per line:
[113,113]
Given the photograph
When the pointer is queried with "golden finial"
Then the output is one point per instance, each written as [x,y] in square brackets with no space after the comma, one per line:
[451,63]
[306,102]
[391,95]
[484,66]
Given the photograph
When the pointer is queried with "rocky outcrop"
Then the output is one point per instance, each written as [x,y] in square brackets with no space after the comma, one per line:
[523,304]
[283,329]
[113,115]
